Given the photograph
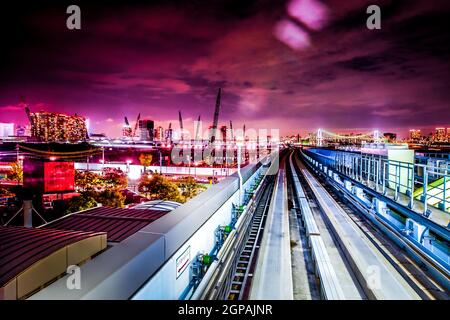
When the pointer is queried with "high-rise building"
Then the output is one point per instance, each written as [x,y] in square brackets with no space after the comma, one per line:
[6,130]
[159,133]
[415,134]
[440,135]
[146,128]
[57,127]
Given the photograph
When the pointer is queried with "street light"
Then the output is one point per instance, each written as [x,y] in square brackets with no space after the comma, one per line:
[239,144]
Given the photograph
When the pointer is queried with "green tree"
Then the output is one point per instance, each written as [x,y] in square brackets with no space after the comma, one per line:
[190,188]
[83,202]
[110,198]
[146,160]
[159,187]
[16,172]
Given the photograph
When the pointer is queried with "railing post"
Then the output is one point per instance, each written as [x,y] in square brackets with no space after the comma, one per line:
[396,182]
[444,192]
[425,187]
[411,203]
[378,171]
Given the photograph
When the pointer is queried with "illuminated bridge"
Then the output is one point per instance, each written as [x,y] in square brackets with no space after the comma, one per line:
[311,223]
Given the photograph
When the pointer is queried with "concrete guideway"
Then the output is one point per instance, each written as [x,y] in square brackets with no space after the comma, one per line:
[333,274]
[378,278]
[273,273]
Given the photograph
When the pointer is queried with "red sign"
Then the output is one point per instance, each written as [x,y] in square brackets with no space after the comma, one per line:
[59,176]
[48,177]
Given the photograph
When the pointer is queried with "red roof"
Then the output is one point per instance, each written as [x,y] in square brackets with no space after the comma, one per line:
[21,247]
[119,224]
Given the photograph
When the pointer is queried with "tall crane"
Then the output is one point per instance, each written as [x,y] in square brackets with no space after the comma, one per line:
[27,110]
[231,130]
[180,119]
[198,129]
[216,116]
[136,125]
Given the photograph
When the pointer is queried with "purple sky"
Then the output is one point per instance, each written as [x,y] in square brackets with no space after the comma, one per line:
[173,55]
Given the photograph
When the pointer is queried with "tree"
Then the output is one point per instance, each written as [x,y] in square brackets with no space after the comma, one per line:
[159,187]
[5,193]
[190,188]
[111,198]
[88,180]
[16,173]
[114,179]
[83,202]
[146,160]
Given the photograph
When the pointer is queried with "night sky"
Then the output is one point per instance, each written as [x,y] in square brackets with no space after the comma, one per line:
[166,56]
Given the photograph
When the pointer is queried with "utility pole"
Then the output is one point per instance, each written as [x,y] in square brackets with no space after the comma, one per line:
[103,158]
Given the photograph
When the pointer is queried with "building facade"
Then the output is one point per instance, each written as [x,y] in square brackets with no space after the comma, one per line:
[57,127]
[146,128]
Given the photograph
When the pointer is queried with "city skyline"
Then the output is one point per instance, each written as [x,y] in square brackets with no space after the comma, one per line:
[161,58]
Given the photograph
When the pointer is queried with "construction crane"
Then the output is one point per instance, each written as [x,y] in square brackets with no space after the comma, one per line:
[231,130]
[216,116]
[180,119]
[27,110]
[169,132]
[136,125]
[198,129]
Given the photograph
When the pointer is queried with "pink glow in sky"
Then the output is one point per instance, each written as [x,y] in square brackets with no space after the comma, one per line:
[312,13]
[291,34]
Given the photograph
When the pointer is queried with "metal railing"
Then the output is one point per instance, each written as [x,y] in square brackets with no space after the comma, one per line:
[427,184]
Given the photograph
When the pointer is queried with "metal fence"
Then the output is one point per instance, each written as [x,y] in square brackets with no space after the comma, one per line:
[428,184]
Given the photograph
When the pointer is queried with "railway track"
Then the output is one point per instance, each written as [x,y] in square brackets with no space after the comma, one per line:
[245,264]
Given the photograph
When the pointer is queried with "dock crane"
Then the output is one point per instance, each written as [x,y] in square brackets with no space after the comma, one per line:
[180,119]
[136,125]
[231,130]
[216,116]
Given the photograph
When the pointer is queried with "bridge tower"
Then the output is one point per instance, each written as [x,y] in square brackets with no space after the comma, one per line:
[319,138]
[376,136]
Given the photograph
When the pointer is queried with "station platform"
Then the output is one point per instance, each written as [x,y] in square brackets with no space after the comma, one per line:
[273,272]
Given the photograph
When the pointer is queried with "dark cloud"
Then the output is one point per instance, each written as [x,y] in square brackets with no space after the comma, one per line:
[164,56]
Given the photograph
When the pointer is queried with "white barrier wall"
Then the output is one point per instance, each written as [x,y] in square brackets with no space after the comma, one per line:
[165,284]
